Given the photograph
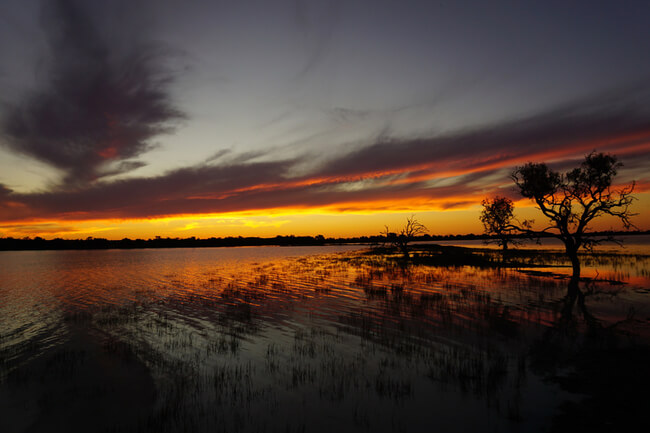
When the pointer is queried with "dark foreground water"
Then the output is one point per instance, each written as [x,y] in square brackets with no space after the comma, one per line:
[317,339]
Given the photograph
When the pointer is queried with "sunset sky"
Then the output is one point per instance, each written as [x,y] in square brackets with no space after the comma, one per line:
[258,118]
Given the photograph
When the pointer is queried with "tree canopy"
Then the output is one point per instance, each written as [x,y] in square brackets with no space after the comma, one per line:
[572,200]
[496,217]
[408,233]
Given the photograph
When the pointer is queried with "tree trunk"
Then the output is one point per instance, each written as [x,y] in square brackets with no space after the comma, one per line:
[575,263]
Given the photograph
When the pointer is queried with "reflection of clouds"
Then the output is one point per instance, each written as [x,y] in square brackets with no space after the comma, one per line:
[31,318]
[238,331]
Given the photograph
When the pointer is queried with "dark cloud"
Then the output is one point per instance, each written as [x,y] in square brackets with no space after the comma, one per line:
[588,123]
[102,101]
[4,192]
[251,186]
[470,165]
[175,192]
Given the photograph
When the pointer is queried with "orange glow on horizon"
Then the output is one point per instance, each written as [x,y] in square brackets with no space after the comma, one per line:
[332,221]
[294,219]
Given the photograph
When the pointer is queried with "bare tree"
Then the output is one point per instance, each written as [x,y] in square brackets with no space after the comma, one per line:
[572,200]
[496,217]
[407,234]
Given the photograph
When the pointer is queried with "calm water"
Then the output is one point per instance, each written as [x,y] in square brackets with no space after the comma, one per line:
[295,339]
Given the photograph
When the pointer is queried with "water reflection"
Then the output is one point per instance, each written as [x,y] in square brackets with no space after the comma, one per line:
[351,342]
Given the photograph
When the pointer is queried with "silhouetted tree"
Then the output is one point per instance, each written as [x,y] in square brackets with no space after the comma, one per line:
[572,200]
[408,233]
[496,217]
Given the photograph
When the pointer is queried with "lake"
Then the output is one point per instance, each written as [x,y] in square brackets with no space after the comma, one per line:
[316,339]
[630,244]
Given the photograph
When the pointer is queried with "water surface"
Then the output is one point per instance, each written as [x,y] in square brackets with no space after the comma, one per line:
[633,244]
[295,339]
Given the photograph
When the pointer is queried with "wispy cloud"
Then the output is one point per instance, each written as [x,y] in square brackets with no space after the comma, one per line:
[448,171]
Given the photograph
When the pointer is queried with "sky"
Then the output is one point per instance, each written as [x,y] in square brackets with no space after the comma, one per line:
[262,118]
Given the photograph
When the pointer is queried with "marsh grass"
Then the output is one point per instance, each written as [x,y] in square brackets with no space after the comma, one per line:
[359,341]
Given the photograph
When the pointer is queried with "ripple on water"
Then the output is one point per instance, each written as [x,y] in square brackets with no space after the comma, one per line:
[350,338]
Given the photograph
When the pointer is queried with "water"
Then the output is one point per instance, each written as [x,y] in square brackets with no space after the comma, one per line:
[635,244]
[297,339]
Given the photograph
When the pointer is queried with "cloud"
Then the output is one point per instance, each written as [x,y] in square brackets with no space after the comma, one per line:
[448,171]
[218,155]
[578,127]
[316,23]
[101,103]
[4,192]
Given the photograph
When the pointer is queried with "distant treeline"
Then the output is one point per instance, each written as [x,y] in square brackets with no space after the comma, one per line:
[91,243]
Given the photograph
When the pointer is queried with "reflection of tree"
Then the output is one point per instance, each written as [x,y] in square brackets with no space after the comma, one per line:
[598,364]
[559,344]
[574,297]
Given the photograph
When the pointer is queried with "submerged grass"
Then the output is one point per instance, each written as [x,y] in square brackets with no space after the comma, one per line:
[360,341]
